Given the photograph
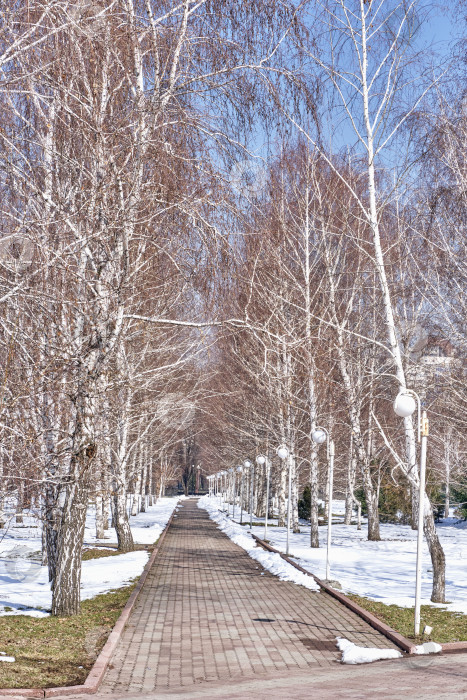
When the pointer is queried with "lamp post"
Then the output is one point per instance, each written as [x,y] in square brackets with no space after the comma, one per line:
[234,478]
[260,460]
[198,469]
[404,406]
[282,452]
[320,435]
[231,473]
[240,471]
[226,490]
[249,465]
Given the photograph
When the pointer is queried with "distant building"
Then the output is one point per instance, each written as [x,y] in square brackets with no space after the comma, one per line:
[432,360]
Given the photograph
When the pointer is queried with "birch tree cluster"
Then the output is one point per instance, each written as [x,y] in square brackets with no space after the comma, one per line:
[350,275]
[115,117]
[222,226]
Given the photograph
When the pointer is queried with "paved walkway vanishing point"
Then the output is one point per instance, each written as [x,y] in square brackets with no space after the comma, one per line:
[211,623]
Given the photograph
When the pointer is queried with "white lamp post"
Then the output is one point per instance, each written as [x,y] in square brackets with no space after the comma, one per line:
[231,476]
[260,460]
[404,406]
[235,470]
[282,452]
[249,465]
[321,435]
[226,490]
[240,471]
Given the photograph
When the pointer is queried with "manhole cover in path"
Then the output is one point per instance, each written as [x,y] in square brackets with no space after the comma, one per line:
[318,644]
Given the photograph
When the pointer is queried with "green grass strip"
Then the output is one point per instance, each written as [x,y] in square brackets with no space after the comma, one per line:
[447,626]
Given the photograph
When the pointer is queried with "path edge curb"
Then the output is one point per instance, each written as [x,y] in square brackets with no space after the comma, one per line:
[398,639]
[96,674]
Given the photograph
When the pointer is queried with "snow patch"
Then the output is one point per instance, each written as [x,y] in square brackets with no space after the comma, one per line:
[9,659]
[25,588]
[383,571]
[428,648]
[353,654]
[271,561]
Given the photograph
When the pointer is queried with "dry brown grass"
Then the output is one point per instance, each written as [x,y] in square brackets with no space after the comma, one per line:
[53,651]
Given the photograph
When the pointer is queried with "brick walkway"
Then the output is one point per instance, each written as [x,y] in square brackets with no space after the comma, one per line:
[210,613]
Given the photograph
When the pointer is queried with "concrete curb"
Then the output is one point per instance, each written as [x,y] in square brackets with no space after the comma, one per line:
[454,647]
[398,639]
[21,693]
[96,674]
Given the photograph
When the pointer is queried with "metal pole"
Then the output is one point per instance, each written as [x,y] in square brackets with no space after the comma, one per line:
[288,505]
[234,477]
[232,491]
[421,503]
[252,481]
[331,478]
[267,500]
[241,499]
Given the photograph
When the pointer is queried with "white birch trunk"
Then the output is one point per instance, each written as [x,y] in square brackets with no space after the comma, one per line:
[312,406]
[434,545]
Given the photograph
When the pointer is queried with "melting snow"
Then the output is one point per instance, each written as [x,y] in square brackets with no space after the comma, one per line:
[353,654]
[25,589]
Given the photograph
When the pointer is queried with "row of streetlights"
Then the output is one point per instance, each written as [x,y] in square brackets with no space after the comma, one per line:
[319,435]
[405,404]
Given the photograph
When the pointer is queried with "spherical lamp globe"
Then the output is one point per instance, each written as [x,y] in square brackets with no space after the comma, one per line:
[318,436]
[282,452]
[404,405]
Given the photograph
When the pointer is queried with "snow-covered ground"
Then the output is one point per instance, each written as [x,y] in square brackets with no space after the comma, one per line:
[24,583]
[383,571]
